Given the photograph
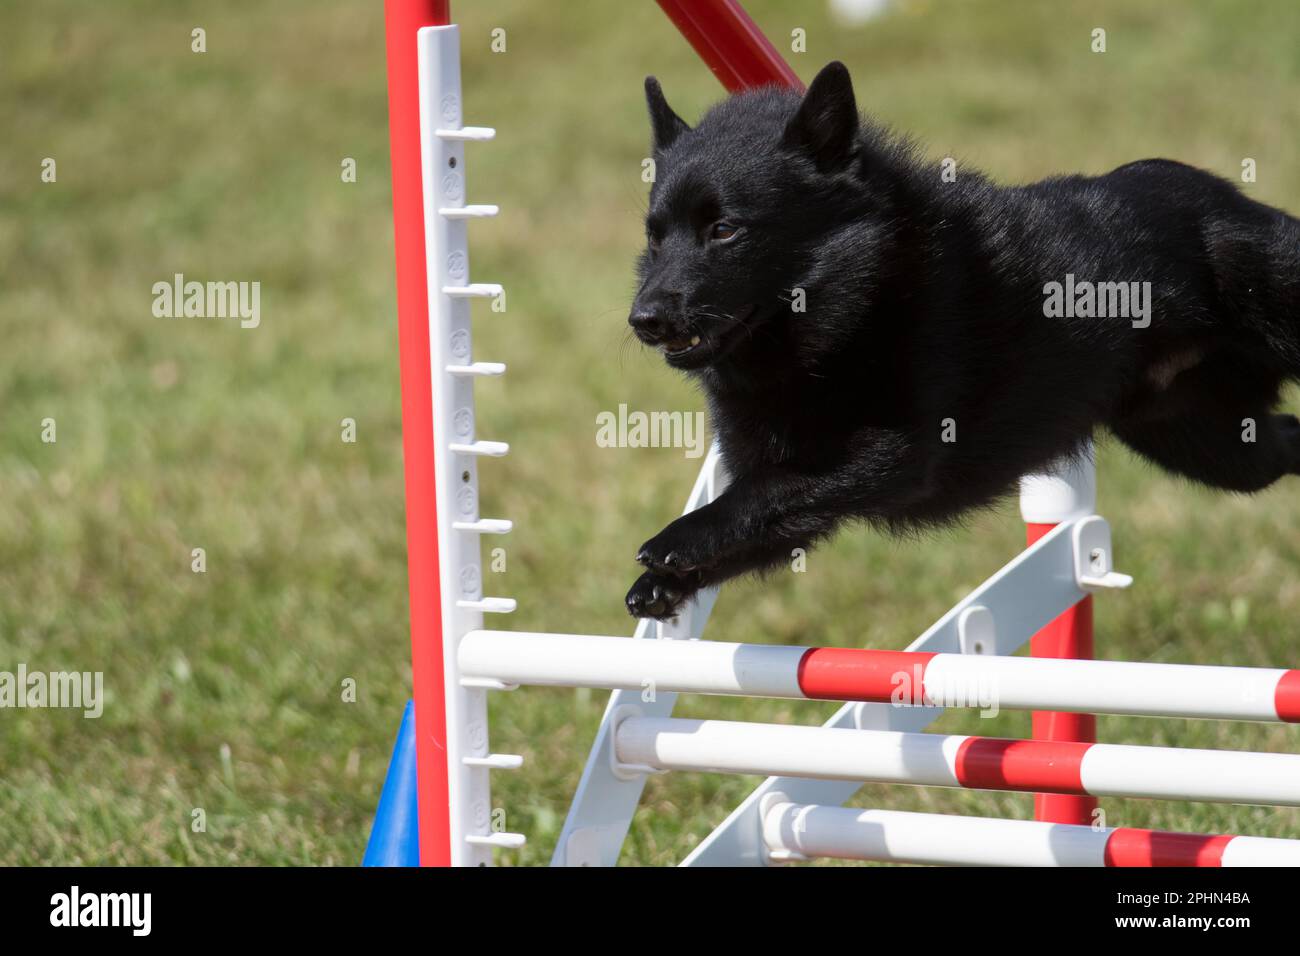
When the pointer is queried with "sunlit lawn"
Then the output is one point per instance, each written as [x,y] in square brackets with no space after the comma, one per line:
[226,688]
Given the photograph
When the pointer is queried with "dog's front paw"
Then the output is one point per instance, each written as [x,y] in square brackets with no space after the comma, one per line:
[658,596]
[678,550]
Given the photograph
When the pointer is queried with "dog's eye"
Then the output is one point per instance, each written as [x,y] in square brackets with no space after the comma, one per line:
[723,231]
[652,243]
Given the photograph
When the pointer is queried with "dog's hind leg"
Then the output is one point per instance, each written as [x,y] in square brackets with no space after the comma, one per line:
[1246,453]
[1235,445]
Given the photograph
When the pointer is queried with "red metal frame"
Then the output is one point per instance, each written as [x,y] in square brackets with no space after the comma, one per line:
[728,41]
[1069,635]
[402,19]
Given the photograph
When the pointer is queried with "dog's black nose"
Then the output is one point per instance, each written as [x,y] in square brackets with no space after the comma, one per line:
[649,324]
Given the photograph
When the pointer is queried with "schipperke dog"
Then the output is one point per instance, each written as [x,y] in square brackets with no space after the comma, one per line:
[897,341]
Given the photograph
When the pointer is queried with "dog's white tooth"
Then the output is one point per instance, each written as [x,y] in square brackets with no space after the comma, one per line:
[695,340]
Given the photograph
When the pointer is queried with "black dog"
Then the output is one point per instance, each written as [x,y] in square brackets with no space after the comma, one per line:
[882,341]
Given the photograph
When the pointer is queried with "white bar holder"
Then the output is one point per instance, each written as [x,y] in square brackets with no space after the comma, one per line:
[506,841]
[496,761]
[492,605]
[490,449]
[485,526]
[479,369]
[473,290]
[468,212]
[476,134]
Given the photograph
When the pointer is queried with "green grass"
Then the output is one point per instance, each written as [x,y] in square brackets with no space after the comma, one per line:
[175,434]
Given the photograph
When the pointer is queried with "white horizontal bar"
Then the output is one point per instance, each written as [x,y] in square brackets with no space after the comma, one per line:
[477,368]
[485,526]
[490,449]
[492,605]
[940,680]
[478,134]
[825,753]
[578,660]
[900,837]
[938,839]
[1260,851]
[1216,776]
[918,759]
[480,290]
[1106,687]
[469,212]
[506,841]
[495,761]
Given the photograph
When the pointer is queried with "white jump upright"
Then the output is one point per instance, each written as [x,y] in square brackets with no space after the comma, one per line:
[890,697]
[457,445]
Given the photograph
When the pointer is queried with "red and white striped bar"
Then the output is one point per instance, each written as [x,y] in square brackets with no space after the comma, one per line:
[899,677]
[794,832]
[976,763]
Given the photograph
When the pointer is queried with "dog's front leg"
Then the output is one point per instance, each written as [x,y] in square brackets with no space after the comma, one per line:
[756,523]
[690,553]
[763,517]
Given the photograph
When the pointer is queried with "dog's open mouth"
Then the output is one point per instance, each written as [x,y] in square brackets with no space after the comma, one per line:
[679,346]
[690,349]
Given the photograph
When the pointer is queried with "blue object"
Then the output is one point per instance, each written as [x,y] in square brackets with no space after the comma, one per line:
[395,834]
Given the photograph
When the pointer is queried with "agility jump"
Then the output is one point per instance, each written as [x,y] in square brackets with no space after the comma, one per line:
[963,660]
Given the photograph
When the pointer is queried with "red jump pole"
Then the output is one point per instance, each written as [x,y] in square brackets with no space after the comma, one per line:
[729,42]
[402,19]
[1069,636]
[1045,501]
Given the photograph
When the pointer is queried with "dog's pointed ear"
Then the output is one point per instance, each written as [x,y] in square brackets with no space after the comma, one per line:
[665,124]
[826,123]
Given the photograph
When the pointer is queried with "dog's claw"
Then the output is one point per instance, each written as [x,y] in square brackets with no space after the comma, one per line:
[675,563]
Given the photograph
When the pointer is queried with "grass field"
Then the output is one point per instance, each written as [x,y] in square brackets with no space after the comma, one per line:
[225,688]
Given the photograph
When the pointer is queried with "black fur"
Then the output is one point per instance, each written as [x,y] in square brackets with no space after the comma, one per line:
[925,313]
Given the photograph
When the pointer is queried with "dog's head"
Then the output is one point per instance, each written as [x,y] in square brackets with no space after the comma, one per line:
[744,210]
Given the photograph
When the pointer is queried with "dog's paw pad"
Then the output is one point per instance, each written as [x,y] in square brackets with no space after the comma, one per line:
[655,596]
